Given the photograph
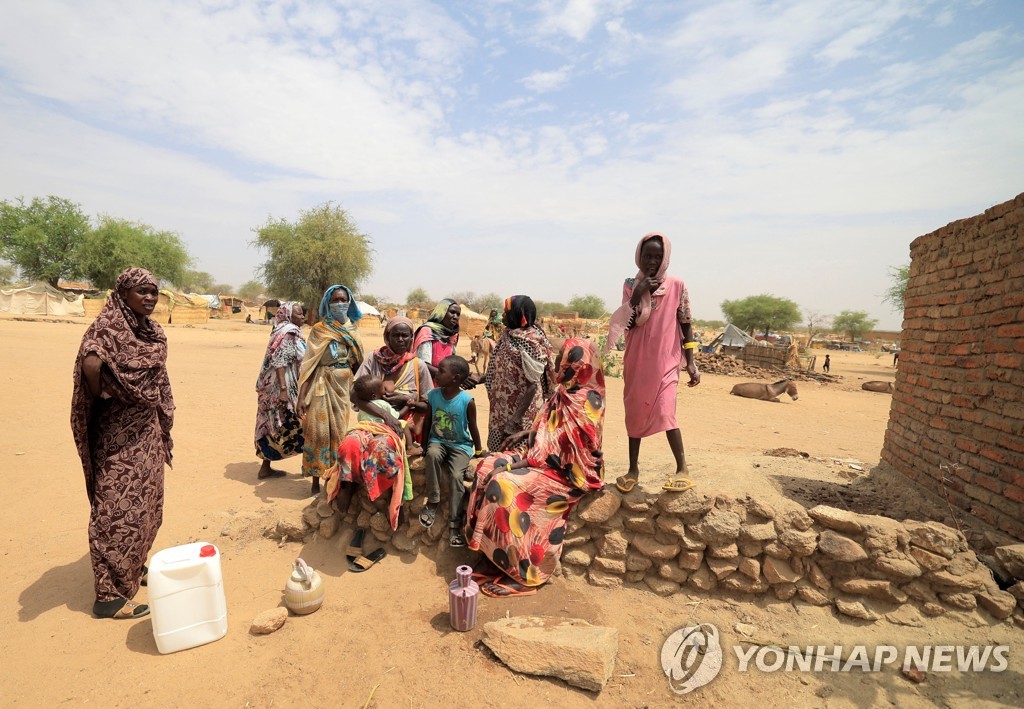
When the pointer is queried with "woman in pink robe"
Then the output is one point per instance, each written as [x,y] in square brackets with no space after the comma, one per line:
[655,316]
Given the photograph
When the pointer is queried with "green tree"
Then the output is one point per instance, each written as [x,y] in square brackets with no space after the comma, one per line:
[223,289]
[854,323]
[251,290]
[548,308]
[588,306]
[117,244]
[896,294]
[478,303]
[8,274]
[711,324]
[197,282]
[42,238]
[418,298]
[305,258]
[762,312]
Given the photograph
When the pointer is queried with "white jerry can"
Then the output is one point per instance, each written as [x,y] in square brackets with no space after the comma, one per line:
[186,597]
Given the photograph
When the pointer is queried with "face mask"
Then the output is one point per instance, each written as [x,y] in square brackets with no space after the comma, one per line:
[339,311]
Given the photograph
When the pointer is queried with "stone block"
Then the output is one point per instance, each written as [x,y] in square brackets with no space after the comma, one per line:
[784,591]
[637,562]
[873,588]
[935,537]
[685,503]
[800,543]
[268,621]
[961,601]
[779,571]
[718,526]
[764,532]
[779,551]
[744,584]
[855,609]
[612,566]
[702,579]
[613,544]
[671,571]
[749,567]
[722,567]
[598,507]
[639,523]
[1011,556]
[999,604]
[837,519]
[651,547]
[929,561]
[690,560]
[722,551]
[840,548]
[603,579]
[662,587]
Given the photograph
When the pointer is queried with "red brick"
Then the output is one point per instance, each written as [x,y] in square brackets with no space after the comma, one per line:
[1014,493]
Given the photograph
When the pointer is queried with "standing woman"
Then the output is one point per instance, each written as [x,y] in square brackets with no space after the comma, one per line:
[438,336]
[518,377]
[278,429]
[333,354]
[121,416]
[655,315]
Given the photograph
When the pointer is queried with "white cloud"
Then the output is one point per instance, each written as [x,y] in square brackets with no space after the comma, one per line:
[544,81]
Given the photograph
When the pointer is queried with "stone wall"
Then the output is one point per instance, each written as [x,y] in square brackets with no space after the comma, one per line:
[672,542]
[956,426]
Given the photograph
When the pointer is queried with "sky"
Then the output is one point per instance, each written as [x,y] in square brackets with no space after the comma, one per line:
[512,146]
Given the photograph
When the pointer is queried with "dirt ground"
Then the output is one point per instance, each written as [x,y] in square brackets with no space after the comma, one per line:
[382,638]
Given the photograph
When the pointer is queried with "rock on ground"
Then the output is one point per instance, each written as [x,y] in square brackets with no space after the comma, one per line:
[269,621]
[573,650]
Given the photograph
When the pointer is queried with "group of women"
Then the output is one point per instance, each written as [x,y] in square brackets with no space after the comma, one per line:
[544,434]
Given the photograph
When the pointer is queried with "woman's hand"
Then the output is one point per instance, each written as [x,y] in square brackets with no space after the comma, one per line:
[282,396]
[644,284]
[511,441]
[91,366]
[471,381]
[691,369]
[393,423]
[399,400]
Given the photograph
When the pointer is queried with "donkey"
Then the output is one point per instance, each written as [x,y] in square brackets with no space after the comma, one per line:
[881,387]
[766,392]
[481,347]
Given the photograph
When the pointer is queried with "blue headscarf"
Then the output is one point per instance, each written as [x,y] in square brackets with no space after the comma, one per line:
[330,321]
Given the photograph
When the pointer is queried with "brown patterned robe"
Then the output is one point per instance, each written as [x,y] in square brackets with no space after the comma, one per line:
[123,438]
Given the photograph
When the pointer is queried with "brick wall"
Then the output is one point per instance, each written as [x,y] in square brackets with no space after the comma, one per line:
[956,426]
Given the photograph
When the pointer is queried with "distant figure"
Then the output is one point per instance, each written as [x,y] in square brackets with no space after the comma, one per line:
[895,358]
[828,364]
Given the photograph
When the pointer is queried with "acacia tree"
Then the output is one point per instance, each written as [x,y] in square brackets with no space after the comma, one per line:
[896,294]
[418,298]
[197,282]
[854,323]
[479,303]
[588,306]
[251,290]
[762,312]
[42,237]
[117,244]
[549,308]
[7,274]
[817,323]
[305,258]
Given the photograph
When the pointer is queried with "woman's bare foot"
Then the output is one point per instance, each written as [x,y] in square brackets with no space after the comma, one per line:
[413,451]
[267,472]
[315,489]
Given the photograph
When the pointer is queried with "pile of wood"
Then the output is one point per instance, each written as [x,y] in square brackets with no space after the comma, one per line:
[730,366]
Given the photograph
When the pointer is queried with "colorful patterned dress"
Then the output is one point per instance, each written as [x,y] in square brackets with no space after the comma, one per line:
[517,517]
[278,429]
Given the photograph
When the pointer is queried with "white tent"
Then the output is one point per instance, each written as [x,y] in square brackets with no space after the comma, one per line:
[367,309]
[40,299]
[470,314]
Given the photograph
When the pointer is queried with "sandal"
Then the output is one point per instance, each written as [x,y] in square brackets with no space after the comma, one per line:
[678,484]
[119,609]
[428,515]
[362,563]
[144,581]
[505,588]
[355,545]
[456,540]
[627,482]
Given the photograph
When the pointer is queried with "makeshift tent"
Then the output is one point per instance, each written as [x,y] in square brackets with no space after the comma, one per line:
[40,299]
[731,341]
[471,323]
[367,309]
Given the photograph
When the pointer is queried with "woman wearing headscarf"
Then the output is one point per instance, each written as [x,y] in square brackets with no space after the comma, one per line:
[655,315]
[373,452]
[518,375]
[518,506]
[121,416]
[437,337]
[278,429]
[333,353]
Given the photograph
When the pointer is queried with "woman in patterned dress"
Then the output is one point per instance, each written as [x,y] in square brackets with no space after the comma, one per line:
[518,375]
[121,416]
[278,429]
[519,504]
[333,353]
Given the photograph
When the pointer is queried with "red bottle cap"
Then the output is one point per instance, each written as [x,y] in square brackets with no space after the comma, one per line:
[208,550]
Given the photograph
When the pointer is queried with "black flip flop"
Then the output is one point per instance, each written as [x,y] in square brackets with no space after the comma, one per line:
[144,581]
[119,609]
[427,516]
[457,540]
[355,546]
[363,563]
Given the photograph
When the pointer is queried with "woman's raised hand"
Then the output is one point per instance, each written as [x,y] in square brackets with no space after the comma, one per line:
[510,441]
[393,423]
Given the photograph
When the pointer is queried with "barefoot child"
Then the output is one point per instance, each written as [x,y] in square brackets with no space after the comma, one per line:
[451,413]
[370,390]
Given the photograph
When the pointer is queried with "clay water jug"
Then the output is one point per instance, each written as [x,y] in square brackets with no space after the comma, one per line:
[463,594]
[304,590]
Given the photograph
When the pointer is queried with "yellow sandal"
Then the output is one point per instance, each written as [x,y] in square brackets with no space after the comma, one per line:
[677,484]
[627,482]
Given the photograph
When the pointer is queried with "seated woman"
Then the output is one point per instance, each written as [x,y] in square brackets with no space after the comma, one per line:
[437,337]
[406,377]
[518,375]
[519,505]
[374,452]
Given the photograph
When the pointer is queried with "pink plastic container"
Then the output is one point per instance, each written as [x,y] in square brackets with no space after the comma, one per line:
[463,594]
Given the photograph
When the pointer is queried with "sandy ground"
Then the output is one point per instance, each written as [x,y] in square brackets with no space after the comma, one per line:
[385,633]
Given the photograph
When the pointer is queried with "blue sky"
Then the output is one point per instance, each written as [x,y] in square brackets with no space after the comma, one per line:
[793,148]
